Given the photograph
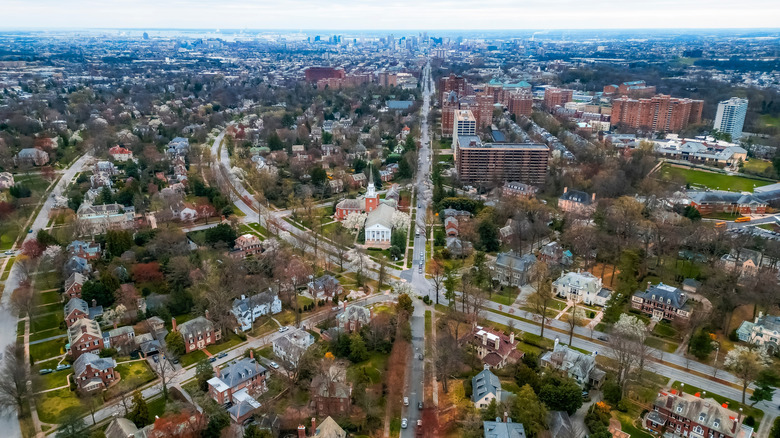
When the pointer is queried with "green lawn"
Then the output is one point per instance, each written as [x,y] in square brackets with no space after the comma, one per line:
[46,321]
[156,407]
[372,369]
[52,380]
[665,330]
[43,334]
[192,358]
[51,404]
[304,301]
[661,344]
[267,352]
[138,371]
[712,180]
[48,308]
[49,298]
[502,299]
[47,281]
[48,349]
[754,165]
[8,267]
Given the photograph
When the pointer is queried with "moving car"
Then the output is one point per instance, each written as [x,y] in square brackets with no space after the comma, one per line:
[419,405]
[9,252]
[603,338]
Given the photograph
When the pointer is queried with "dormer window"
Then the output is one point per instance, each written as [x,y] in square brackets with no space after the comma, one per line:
[679,408]
[702,416]
[716,423]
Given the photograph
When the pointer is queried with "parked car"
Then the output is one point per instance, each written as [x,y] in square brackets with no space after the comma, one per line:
[283,329]
[419,405]
[45,371]
[404,423]
[63,366]
[603,338]
[221,355]
[212,359]
[9,252]
[274,365]
[406,401]
[156,358]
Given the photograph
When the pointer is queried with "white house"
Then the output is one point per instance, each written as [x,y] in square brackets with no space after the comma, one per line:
[292,345]
[379,226]
[581,287]
[764,332]
[248,309]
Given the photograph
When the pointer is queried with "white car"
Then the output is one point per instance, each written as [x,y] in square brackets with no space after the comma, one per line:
[406,401]
[9,252]
[404,423]
[283,329]
[274,365]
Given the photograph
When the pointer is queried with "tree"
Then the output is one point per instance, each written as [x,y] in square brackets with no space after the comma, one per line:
[221,233]
[140,412]
[203,372]
[573,319]
[541,300]
[488,235]
[529,410]
[32,248]
[357,348]
[766,382]
[746,364]
[175,343]
[627,343]
[405,305]
[96,290]
[382,274]
[71,423]
[23,301]
[561,395]
[450,282]
[700,345]
[13,380]
[437,276]
[341,241]
[117,242]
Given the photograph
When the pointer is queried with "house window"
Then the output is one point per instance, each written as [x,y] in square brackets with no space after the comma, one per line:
[698,429]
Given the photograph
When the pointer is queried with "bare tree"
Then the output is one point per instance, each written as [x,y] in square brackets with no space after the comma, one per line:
[540,302]
[437,276]
[23,301]
[382,273]
[575,315]
[341,242]
[13,380]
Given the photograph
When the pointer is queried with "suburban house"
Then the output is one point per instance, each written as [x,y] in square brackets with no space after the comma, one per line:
[764,332]
[577,365]
[248,309]
[581,287]
[73,285]
[292,345]
[76,309]
[121,427]
[494,347]
[6,180]
[31,157]
[518,190]
[120,338]
[77,264]
[84,336]
[197,333]
[503,429]
[118,153]
[720,201]
[85,250]
[92,372]
[246,245]
[330,398]
[677,414]
[747,262]
[96,219]
[353,318]
[486,387]
[577,203]
[379,227]
[328,429]
[662,301]
[511,269]
[554,254]
[237,383]
[325,287]
[451,226]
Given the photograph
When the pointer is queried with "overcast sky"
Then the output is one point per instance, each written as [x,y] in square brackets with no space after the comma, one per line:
[397,14]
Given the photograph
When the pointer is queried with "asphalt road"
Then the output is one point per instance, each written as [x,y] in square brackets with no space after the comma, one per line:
[8,319]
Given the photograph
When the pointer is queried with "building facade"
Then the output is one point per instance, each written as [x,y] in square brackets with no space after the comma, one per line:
[730,117]
[658,113]
[197,333]
[463,123]
[662,301]
[581,287]
[557,97]
[501,162]
[679,414]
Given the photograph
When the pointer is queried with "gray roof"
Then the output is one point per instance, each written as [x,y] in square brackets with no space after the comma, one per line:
[382,215]
[571,361]
[193,326]
[123,428]
[322,387]
[577,196]
[497,429]
[559,423]
[724,197]
[76,304]
[355,313]
[95,361]
[664,293]
[483,384]
[240,371]
[518,263]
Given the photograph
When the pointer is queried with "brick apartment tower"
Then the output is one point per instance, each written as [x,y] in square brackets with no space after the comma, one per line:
[659,113]
[557,97]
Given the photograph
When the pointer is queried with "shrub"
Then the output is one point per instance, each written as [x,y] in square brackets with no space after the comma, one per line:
[750,421]
[592,314]
[733,337]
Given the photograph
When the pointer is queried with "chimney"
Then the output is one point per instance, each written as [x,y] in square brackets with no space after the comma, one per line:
[83,328]
[593,198]
[94,302]
[484,338]
[649,285]
[115,325]
[498,342]
[173,324]
[565,189]
[313,425]
[301,431]
[252,354]
[682,387]
[506,417]
[512,337]
[556,341]
[206,313]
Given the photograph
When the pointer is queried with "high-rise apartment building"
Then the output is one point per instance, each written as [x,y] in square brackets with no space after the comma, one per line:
[314,74]
[463,123]
[730,117]
[500,162]
[658,113]
[557,97]
[458,84]
[520,103]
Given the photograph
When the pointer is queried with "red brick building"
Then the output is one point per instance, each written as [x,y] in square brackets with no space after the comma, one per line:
[658,113]
[520,104]
[458,84]
[73,285]
[246,373]
[448,108]
[494,347]
[92,372]
[557,97]
[682,414]
[84,336]
[718,201]
[330,398]
[75,309]
[314,74]
[197,333]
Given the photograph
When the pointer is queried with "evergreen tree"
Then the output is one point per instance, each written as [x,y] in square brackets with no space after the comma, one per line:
[139,415]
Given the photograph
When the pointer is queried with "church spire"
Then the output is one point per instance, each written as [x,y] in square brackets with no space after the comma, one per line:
[371,190]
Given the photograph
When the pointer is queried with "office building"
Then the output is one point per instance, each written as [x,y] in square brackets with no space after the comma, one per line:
[463,123]
[658,113]
[730,117]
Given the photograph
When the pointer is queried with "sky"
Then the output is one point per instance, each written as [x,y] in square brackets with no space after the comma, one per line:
[382,14]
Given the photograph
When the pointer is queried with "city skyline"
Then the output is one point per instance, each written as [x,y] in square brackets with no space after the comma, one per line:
[402,15]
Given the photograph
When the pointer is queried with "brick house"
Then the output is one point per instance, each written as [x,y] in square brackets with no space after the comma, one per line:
[518,190]
[120,338]
[678,414]
[353,318]
[494,347]
[330,398]
[245,374]
[719,201]
[76,309]
[325,287]
[197,333]
[577,202]
[662,301]
[85,250]
[73,285]
[92,373]
[451,226]
[246,245]
[85,336]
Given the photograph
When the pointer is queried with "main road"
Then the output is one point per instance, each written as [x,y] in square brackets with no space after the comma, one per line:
[8,318]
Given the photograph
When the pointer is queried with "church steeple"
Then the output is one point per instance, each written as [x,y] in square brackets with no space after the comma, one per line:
[372,198]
